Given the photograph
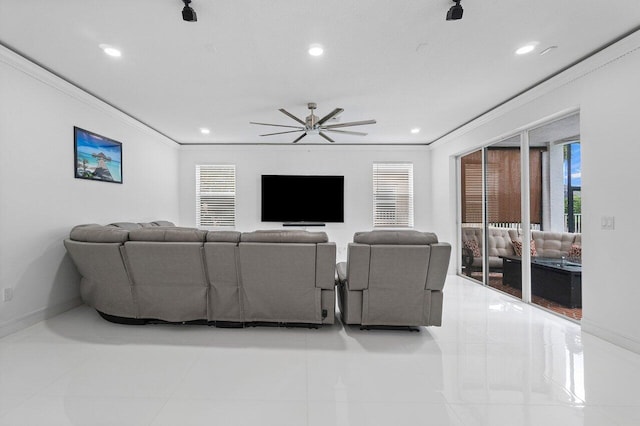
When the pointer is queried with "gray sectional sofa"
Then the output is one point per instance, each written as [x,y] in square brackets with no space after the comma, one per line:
[137,273]
[393,278]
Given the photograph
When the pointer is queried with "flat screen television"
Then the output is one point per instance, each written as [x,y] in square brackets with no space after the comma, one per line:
[297,198]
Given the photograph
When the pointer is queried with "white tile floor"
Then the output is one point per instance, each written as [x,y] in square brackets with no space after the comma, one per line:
[495,361]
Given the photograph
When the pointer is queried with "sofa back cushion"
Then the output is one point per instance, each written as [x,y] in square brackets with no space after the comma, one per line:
[499,242]
[169,234]
[408,237]
[553,244]
[472,236]
[94,233]
[277,236]
[223,237]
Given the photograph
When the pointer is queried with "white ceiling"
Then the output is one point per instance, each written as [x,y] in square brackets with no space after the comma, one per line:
[399,62]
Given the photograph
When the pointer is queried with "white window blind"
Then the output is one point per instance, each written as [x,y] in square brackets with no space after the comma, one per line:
[393,195]
[215,195]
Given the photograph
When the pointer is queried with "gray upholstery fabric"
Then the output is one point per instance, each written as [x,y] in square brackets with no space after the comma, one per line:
[350,303]
[223,236]
[105,284]
[93,233]
[224,287]
[438,265]
[358,266]
[326,266]
[407,237]
[163,223]
[278,282]
[341,269]
[126,225]
[168,279]
[159,271]
[276,236]
[393,284]
[168,234]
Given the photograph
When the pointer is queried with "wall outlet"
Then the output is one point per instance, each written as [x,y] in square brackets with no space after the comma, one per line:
[608,223]
[7,294]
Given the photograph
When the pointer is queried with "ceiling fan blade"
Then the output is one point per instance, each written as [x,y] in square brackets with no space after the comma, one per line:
[330,116]
[281,133]
[324,135]
[277,125]
[353,123]
[345,131]
[288,114]
[300,137]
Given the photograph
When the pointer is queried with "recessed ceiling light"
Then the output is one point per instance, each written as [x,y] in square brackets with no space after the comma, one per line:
[527,48]
[110,50]
[315,50]
[204,131]
[415,130]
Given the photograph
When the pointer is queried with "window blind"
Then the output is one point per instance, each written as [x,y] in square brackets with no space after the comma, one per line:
[393,195]
[216,195]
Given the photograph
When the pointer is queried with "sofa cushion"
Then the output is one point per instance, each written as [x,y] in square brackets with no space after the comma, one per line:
[126,225]
[163,223]
[553,244]
[223,236]
[277,236]
[473,246]
[94,233]
[169,234]
[499,242]
[407,237]
[575,252]
[517,247]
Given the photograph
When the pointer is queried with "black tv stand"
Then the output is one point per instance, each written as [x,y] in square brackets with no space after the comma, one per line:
[302,224]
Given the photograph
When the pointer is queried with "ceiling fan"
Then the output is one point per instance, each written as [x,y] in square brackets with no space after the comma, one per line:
[313,125]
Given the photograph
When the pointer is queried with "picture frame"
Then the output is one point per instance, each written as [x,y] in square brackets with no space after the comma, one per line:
[96,157]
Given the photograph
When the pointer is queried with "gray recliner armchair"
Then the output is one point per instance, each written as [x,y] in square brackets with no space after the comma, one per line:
[393,278]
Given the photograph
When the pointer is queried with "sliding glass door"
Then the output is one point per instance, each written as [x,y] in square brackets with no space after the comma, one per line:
[530,256]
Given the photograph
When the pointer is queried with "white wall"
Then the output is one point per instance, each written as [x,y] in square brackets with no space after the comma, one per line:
[41,200]
[353,162]
[605,89]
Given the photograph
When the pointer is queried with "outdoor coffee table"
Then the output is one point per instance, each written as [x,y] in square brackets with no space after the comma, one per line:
[553,279]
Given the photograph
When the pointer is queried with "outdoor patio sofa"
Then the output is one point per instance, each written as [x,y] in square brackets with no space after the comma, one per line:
[139,273]
[393,278]
[500,242]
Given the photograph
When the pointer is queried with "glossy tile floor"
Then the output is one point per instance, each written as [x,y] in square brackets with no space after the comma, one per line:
[495,361]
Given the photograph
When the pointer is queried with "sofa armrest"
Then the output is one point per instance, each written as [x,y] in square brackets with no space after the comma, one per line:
[342,272]
[467,257]
[326,266]
[358,266]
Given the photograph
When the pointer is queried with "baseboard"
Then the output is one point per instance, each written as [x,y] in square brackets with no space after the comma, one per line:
[611,336]
[21,323]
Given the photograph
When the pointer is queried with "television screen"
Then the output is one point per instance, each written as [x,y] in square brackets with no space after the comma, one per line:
[294,198]
[96,157]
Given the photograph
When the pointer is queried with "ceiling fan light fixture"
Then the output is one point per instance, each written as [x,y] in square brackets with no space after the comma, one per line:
[316,50]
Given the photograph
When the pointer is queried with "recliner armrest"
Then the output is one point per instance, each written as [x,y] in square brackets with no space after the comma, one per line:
[342,272]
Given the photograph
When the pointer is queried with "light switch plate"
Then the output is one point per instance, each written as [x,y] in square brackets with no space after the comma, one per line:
[608,223]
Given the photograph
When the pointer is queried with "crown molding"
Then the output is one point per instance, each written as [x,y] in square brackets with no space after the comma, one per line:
[595,61]
[38,72]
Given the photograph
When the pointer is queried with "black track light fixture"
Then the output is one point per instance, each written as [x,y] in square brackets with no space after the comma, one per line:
[455,12]
[188,14]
